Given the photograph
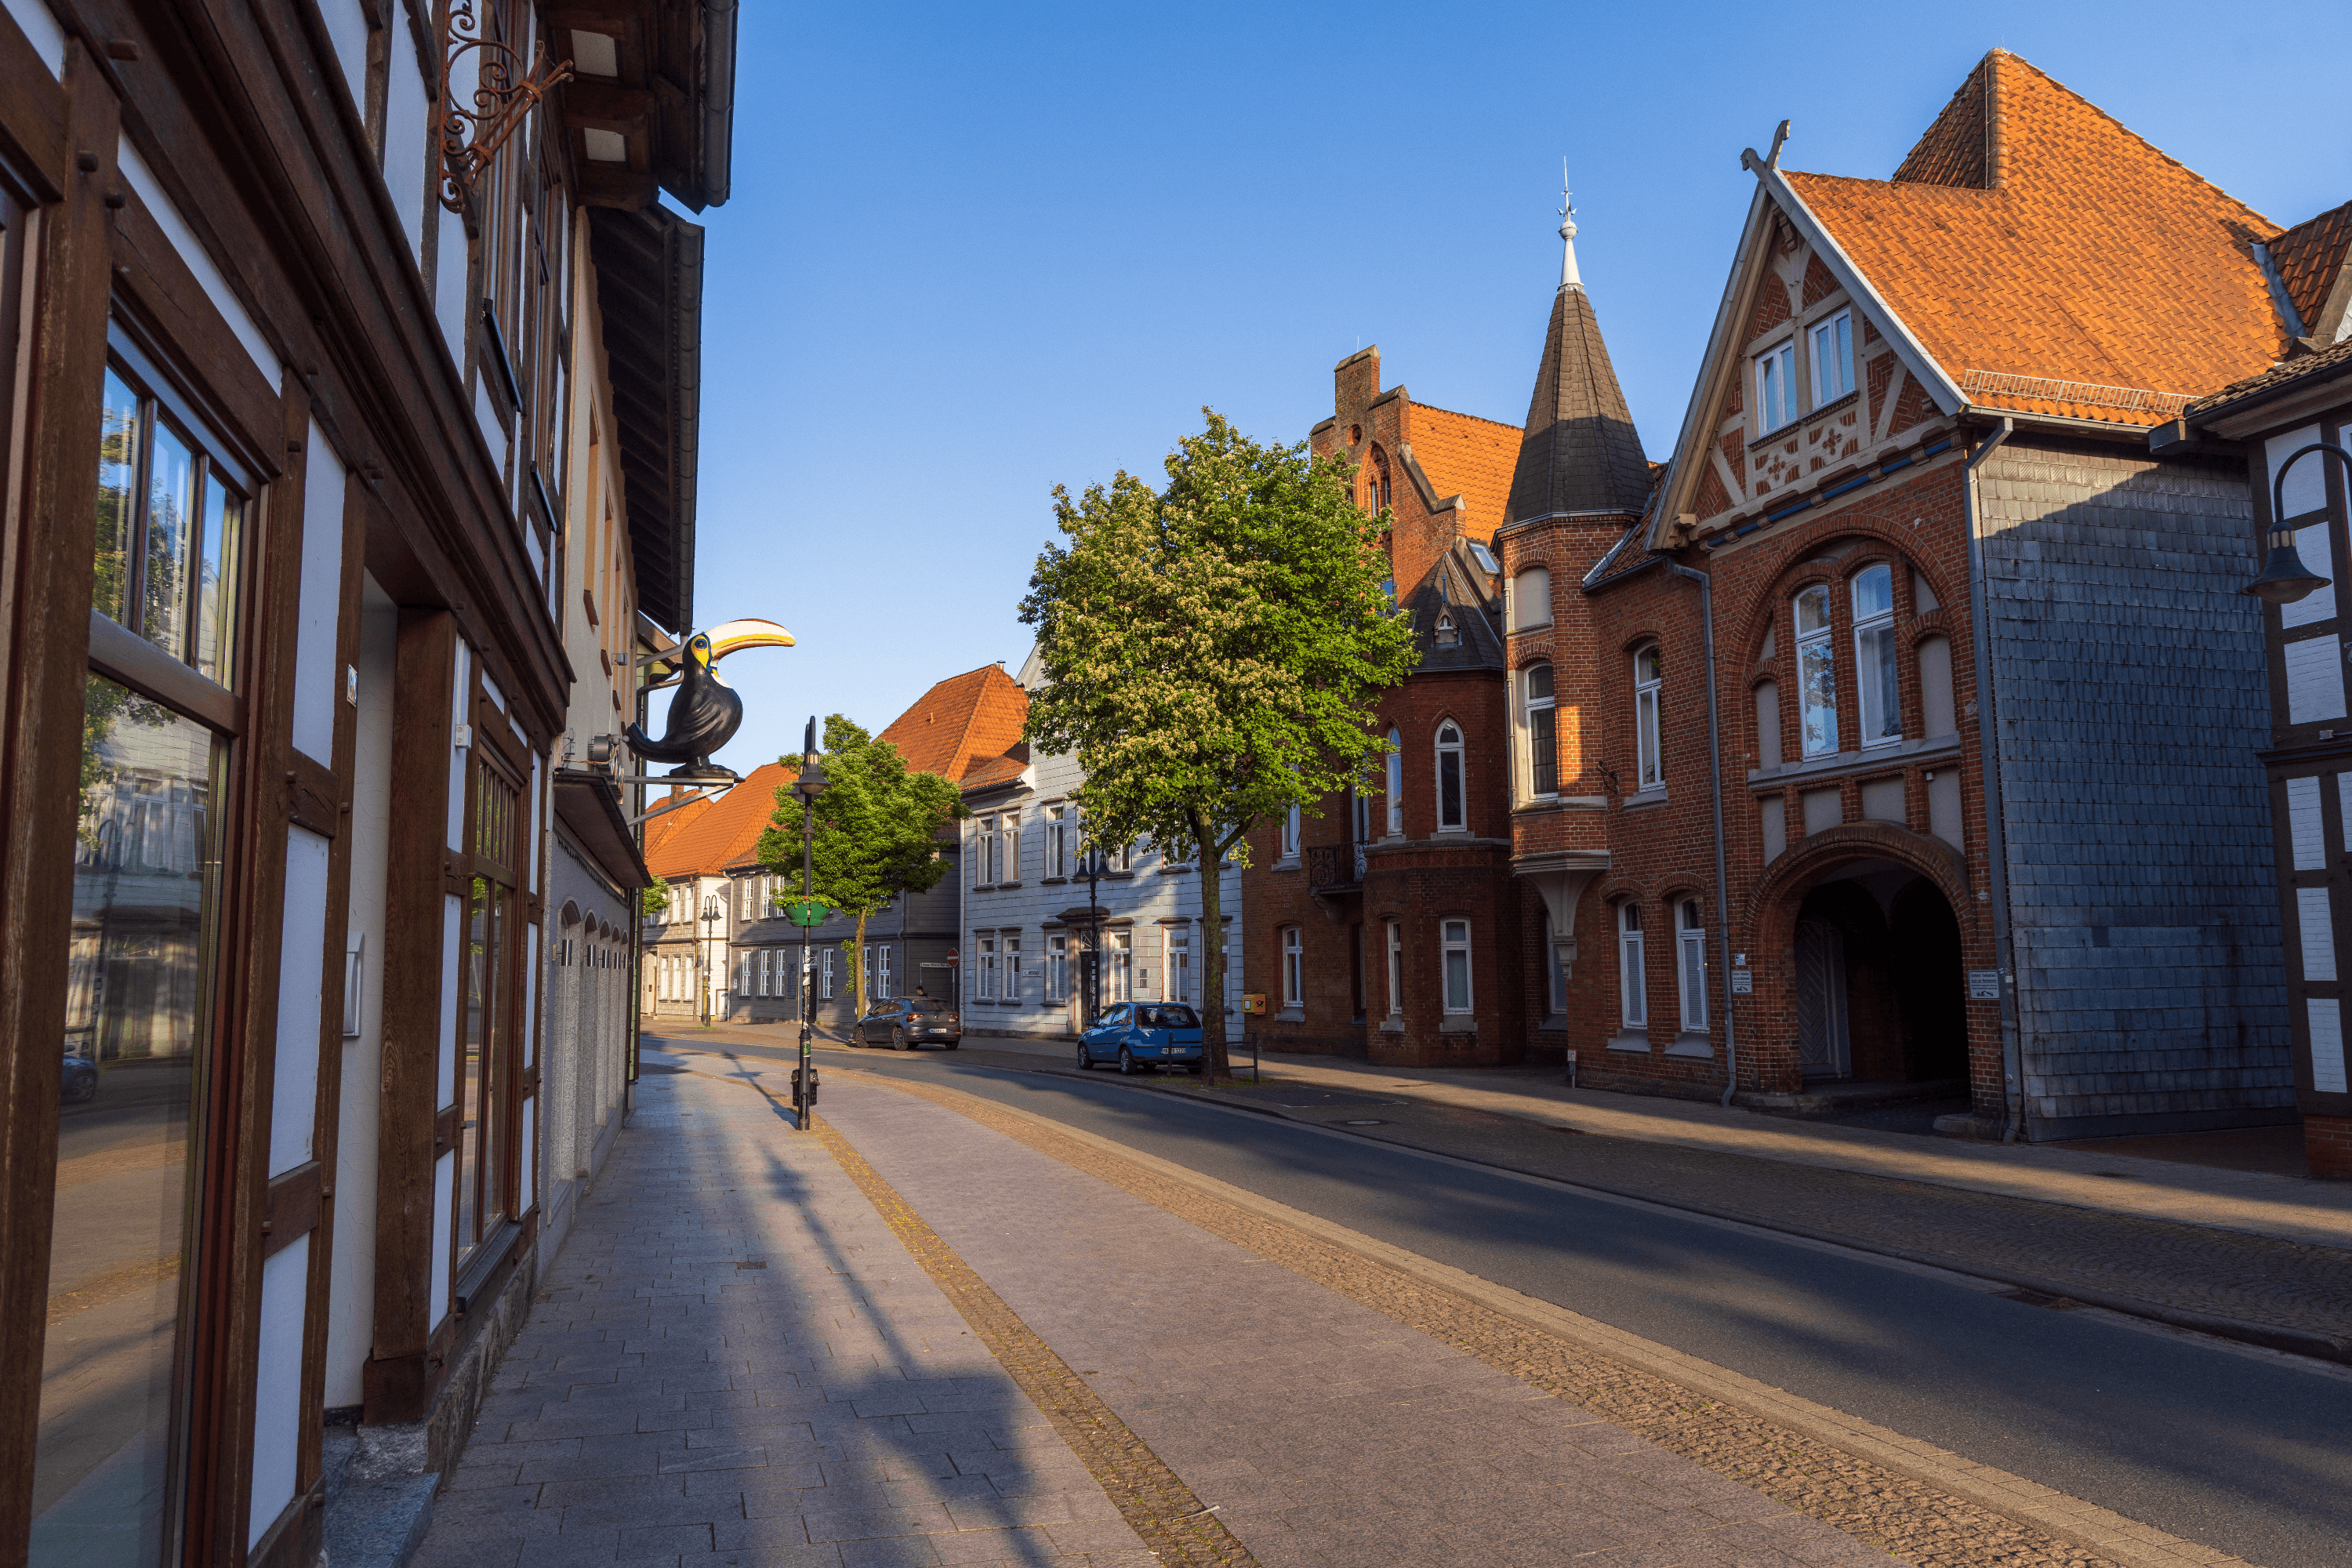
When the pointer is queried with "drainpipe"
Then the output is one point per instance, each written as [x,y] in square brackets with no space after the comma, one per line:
[2012,1053]
[1722,878]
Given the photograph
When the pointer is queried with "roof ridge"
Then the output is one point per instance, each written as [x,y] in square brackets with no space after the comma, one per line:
[1421,407]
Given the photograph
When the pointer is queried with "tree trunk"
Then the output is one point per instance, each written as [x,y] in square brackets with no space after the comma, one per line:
[858,966]
[1216,1067]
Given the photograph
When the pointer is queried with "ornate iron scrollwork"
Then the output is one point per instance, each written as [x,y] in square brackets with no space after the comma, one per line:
[471,138]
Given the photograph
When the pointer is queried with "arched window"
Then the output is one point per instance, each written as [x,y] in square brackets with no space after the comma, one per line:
[1767,724]
[1648,677]
[1396,785]
[1450,817]
[1448,634]
[1632,987]
[1543,732]
[1531,598]
[1816,673]
[1873,657]
[1376,480]
[1690,967]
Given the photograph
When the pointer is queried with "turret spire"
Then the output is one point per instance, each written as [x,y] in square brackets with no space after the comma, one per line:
[1569,276]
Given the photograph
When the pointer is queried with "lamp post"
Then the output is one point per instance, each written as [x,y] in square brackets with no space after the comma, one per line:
[2284,577]
[808,786]
[1094,939]
[711,914]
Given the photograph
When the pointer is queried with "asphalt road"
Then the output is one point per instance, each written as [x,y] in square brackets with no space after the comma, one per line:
[2246,1454]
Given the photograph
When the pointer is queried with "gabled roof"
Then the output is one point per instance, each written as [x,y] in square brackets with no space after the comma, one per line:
[717,835]
[2310,258]
[963,721]
[1447,590]
[2334,360]
[1579,451]
[1464,454]
[2051,261]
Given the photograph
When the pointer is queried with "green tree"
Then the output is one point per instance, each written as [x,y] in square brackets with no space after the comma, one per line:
[656,901]
[1214,651]
[877,832]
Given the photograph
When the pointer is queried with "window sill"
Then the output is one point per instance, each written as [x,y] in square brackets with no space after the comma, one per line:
[1631,1042]
[1289,864]
[1690,1045]
[1645,798]
[1458,1024]
[1846,761]
[1451,833]
[1553,1024]
[1291,1015]
[1532,626]
[1001,886]
[1392,1025]
[1052,881]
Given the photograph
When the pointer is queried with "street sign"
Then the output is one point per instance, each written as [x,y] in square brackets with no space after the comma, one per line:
[806,912]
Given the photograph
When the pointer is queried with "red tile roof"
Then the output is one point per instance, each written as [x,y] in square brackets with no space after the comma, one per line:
[962,722]
[1466,455]
[2052,261]
[717,835]
[2310,257]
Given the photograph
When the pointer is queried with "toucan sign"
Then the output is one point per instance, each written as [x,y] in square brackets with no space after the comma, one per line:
[807,911]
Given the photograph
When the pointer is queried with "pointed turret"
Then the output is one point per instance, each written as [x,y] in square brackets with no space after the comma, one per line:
[1580,452]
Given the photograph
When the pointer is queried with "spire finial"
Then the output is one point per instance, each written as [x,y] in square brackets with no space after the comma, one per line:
[1568,278]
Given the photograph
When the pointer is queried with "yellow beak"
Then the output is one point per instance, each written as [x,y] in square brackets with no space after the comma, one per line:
[734,636]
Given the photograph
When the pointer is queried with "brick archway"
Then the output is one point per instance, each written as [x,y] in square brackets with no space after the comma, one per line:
[1768,1047]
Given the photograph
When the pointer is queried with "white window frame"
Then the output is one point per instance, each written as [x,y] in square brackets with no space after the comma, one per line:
[1289,835]
[1057,966]
[1529,706]
[767,967]
[1121,978]
[1396,969]
[1648,693]
[1555,978]
[1690,965]
[826,992]
[1294,968]
[1011,941]
[1396,785]
[1010,827]
[1776,386]
[1057,862]
[983,987]
[1816,649]
[1179,987]
[878,982]
[1871,696]
[1633,977]
[1445,751]
[1454,943]
[1833,375]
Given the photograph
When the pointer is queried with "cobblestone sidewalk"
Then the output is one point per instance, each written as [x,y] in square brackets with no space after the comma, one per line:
[735,1362]
[1335,1435]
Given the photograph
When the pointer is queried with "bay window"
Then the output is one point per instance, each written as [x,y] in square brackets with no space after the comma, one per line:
[1543,732]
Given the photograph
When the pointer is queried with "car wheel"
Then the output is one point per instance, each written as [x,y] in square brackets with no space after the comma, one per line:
[1127,1061]
[1086,1062]
[953,1044]
[899,1040]
[86,1090]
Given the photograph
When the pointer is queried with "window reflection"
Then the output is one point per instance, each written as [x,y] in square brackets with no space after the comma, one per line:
[106,1469]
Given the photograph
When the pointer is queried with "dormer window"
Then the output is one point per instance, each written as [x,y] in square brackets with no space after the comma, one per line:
[1448,635]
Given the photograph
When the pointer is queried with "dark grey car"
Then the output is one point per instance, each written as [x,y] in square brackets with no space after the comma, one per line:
[902,1023]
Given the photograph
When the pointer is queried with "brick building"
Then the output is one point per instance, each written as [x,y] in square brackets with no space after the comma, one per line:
[1386,923]
[1908,734]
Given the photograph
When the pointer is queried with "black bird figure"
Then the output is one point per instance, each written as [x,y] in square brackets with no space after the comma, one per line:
[705,712]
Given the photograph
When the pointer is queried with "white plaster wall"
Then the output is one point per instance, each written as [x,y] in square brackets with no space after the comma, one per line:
[200,262]
[278,1384]
[347,26]
[317,678]
[40,25]
[350,1309]
[409,149]
[302,992]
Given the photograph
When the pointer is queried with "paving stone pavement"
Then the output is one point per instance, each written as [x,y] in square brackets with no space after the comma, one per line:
[667,1404]
[1329,1435]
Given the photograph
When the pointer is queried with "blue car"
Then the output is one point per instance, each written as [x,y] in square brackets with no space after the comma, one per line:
[1137,1035]
[80,1083]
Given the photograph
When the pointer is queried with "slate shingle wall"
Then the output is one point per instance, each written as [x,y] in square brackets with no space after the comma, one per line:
[2132,697]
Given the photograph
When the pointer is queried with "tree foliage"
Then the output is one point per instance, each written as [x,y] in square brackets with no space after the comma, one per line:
[1214,649]
[878,827]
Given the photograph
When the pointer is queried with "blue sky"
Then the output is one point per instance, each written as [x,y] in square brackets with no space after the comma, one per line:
[975,252]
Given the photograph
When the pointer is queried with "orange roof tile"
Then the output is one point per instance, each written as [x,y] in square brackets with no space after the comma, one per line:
[1466,455]
[963,721]
[2310,257]
[2097,268]
[719,833]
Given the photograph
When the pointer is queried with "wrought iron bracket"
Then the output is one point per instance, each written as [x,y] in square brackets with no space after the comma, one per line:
[470,139]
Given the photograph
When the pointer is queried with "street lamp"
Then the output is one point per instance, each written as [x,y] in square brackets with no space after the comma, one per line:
[712,912]
[1093,873]
[2284,577]
[808,786]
